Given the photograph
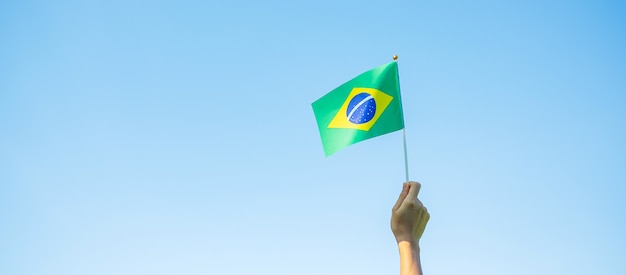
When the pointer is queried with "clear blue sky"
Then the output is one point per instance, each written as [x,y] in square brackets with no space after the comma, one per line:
[154,137]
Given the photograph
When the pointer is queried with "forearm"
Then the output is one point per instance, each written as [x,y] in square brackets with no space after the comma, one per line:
[409,258]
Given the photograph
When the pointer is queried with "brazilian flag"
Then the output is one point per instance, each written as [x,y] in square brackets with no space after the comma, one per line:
[367,106]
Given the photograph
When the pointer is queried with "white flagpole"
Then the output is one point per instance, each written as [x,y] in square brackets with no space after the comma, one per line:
[406,157]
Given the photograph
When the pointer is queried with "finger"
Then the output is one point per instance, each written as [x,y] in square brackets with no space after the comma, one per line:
[414,189]
[422,218]
[403,194]
[418,204]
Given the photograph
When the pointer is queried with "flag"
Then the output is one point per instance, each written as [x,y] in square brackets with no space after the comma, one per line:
[367,106]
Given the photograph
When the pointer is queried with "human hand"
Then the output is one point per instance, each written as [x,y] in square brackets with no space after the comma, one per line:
[408,215]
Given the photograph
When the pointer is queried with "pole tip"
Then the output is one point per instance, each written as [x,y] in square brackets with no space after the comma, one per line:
[395,57]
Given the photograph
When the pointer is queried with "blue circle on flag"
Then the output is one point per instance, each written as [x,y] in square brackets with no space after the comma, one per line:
[361,108]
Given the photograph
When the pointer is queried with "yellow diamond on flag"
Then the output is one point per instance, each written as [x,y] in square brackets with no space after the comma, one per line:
[361,109]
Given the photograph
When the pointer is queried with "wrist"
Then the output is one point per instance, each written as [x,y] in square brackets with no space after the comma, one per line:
[412,246]
[404,235]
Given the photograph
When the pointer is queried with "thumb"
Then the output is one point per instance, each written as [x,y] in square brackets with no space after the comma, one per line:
[414,190]
[403,195]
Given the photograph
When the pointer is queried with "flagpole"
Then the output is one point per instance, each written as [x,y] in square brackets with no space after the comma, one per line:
[406,158]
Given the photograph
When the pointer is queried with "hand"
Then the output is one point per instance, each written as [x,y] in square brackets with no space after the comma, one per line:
[409,216]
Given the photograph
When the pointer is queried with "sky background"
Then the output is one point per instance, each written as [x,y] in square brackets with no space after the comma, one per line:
[177,137]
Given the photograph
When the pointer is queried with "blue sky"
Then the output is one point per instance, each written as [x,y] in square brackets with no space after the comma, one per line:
[155,137]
